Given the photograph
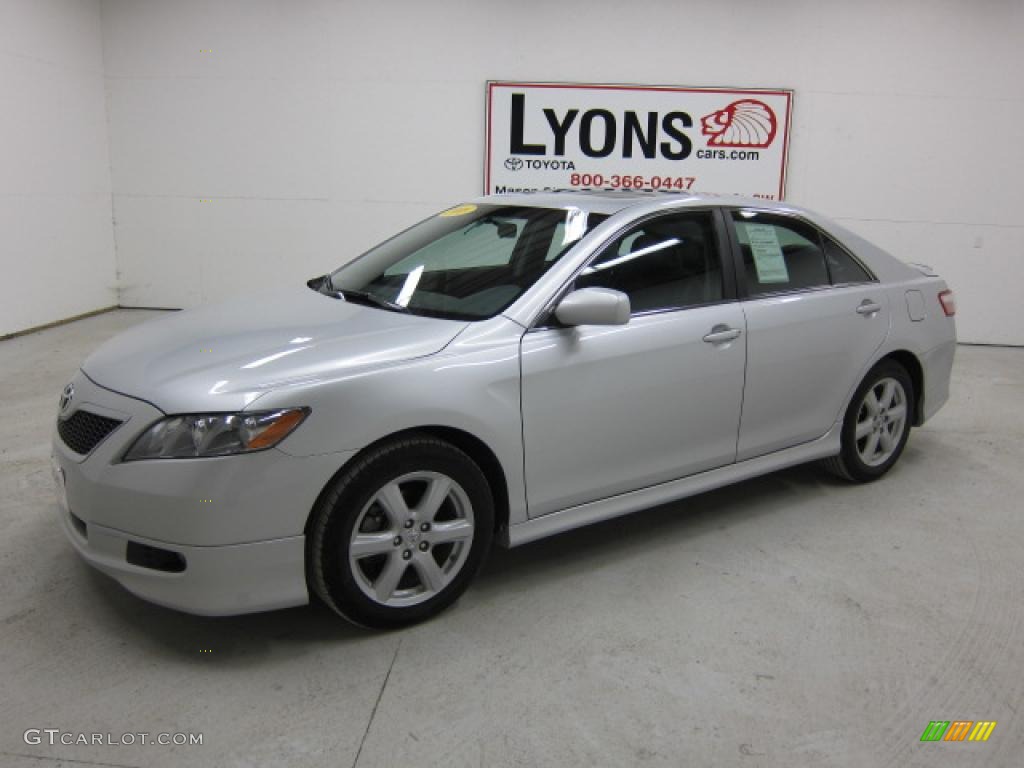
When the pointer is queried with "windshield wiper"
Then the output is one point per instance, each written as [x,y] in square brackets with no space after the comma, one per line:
[325,285]
[368,298]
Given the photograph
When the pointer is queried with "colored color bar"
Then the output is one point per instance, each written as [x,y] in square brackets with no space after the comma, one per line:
[982,730]
[935,730]
[958,730]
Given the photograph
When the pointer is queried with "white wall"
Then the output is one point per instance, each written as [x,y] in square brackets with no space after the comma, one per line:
[316,128]
[56,233]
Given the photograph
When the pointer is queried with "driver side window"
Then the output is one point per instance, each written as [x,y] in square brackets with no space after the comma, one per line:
[671,262]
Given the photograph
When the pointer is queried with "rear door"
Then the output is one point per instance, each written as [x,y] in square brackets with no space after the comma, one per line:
[610,409]
[814,318]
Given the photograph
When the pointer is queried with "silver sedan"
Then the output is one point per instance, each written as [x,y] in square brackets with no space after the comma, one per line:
[505,370]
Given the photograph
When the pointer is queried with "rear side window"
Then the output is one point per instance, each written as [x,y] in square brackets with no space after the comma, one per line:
[841,265]
[779,253]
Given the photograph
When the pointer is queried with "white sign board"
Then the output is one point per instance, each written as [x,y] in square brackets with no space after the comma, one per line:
[543,136]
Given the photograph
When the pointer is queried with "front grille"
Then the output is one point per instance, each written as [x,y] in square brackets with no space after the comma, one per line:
[84,430]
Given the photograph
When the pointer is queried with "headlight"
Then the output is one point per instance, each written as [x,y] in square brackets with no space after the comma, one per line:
[198,435]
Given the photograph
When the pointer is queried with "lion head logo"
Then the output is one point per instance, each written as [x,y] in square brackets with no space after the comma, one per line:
[744,123]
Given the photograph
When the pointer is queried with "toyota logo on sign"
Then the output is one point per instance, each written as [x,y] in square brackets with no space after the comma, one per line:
[514,163]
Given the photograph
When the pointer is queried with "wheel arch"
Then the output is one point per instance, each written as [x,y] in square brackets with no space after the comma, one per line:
[915,370]
[475,448]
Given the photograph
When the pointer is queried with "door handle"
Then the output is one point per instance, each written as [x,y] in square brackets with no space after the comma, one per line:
[868,307]
[721,334]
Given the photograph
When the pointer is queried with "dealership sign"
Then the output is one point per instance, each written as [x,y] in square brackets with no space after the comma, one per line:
[544,136]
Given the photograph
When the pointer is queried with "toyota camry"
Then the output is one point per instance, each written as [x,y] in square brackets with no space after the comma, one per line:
[510,368]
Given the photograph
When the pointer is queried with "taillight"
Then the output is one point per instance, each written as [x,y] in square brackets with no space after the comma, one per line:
[948,302]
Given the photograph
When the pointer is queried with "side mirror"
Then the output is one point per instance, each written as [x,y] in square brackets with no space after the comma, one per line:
[594,306]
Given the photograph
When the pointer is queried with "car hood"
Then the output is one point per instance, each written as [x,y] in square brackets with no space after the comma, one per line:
[222,357]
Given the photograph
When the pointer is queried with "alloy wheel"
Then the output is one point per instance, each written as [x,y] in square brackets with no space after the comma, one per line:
[411,539]
[881,421]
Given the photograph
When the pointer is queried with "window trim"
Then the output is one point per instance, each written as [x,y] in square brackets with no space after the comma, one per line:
[722,247]
[741,269]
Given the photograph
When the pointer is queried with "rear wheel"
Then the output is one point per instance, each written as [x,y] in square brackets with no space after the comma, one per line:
[400,534]
[876,425]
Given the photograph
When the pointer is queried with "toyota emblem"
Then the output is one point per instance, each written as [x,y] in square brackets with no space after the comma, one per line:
[66,396]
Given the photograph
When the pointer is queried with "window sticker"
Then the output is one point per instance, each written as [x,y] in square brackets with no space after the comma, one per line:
[768,259]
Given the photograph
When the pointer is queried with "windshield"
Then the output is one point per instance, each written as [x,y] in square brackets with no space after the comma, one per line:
[467,263]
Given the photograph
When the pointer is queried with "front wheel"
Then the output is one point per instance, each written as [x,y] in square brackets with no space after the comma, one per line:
[876,425]
[401,533]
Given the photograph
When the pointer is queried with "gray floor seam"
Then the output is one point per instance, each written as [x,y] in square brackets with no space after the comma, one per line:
[373,712]
[62,760]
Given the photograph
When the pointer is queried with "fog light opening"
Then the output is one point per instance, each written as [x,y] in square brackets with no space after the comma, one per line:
[79,525]
[154,558]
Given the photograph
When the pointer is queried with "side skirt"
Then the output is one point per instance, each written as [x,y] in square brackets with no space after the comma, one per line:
[623,504]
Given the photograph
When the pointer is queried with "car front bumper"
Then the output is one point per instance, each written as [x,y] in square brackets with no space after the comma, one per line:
[216,581]
[214,536]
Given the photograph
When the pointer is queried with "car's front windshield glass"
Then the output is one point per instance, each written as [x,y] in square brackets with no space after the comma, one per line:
[466,263]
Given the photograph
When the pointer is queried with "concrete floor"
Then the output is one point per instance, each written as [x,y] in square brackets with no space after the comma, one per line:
[788,621]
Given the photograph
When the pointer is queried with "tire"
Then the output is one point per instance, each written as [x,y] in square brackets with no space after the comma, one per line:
[881,412]
[398,536]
